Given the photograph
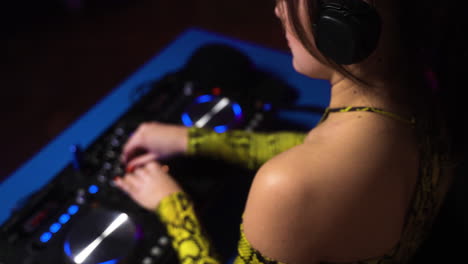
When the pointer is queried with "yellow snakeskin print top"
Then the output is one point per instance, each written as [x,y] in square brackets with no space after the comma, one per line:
[253,149]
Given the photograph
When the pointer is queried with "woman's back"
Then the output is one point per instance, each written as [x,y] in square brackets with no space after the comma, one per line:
[341,196]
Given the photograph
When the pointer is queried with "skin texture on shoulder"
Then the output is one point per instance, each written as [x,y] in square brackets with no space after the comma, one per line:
[341,196]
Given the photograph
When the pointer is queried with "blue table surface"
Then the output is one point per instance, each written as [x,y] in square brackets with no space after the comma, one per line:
[55,156]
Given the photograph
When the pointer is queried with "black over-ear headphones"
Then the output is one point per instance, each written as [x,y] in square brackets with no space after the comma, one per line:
[346,31]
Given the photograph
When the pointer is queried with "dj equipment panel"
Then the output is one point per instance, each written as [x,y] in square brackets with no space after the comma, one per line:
[80,217]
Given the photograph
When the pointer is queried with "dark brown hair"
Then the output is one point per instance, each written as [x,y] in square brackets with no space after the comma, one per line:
[422,50]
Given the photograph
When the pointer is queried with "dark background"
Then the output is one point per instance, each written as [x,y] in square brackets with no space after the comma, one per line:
[60,57]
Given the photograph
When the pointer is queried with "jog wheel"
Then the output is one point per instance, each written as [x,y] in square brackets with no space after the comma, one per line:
[216,112]
[101,237]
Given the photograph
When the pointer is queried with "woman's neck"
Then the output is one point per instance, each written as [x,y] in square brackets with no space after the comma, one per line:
[345,92]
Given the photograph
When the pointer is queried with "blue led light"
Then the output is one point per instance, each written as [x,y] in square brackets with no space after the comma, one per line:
[93,189]
[46,237]
[113,261]
[237,110]
[187,120]
[267,107]
[55,227]
[63,219]
[66,248]
[204,98]
[220,129]
[73,209]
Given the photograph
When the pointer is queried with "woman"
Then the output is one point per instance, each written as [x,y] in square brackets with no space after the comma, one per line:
[362,186]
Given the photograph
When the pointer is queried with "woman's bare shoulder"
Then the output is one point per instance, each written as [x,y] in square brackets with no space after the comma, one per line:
[334,194]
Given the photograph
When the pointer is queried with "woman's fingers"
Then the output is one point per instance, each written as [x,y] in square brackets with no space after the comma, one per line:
[130,183]
[138,176]
[132,144]
[140,161]
[148,184]
[154,166]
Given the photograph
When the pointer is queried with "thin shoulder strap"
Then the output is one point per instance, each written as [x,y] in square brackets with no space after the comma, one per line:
[407,120]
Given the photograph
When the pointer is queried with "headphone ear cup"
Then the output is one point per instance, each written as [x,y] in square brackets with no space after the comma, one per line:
[348,31]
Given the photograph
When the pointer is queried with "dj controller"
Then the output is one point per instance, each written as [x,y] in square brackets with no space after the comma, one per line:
[80,217]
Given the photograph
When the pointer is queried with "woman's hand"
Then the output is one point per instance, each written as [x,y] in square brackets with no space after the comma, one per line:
[148,184]
[153,140]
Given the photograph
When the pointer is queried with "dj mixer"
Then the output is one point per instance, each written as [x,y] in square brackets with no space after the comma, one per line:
[80,217]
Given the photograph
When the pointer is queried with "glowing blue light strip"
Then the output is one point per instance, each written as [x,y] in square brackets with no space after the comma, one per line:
[93,189]
[66,248]
[267,107]
[187,120]
[46,237]
[113,261]
[55,227]
[203,99]
[63,219]
[220,129]
[237,110]
[73,209]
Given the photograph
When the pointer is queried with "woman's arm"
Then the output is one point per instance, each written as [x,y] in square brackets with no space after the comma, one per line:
[192,245]
[250,149]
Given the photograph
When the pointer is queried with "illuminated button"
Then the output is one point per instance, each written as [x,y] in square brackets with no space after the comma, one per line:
[163,241]
[63,219]
[204,99]
[73,209]
[187,120]
[54,228]
[45,237]
[66,248]
[156,251]
[93,189]
[220,129]
[112,261]
[147,260]
[237,110]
